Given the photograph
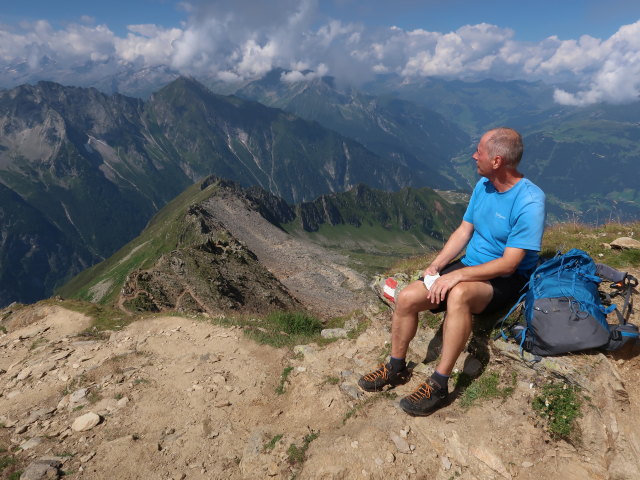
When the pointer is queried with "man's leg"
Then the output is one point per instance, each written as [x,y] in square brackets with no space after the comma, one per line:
[404,322]
[463,301]
[412,300]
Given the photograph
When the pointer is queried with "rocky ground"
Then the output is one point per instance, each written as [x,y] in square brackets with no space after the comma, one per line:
[171,397]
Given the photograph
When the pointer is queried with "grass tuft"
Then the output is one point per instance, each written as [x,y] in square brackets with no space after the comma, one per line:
[280,329]
[283,379]
[559,404]
[488,386]
[297,455]
[104,317]
[271,444]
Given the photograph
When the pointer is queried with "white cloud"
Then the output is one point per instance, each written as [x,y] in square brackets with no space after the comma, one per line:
[242,39]
[294,76]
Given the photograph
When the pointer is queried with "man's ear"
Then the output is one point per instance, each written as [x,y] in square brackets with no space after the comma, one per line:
[497,162]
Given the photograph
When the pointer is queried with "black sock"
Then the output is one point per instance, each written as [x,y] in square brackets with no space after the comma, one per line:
[441,380]
[397,364]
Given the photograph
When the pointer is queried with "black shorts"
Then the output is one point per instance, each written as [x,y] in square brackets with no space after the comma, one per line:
[506,290]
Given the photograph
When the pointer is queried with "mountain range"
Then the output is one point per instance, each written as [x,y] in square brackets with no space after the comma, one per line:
[82,171]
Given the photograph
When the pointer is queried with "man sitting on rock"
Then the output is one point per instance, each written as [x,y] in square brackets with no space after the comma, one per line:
[502,232]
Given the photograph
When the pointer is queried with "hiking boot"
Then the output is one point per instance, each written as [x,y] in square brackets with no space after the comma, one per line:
[383,376]
[426,399]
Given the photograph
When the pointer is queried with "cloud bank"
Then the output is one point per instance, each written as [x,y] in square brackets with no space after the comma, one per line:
[234,40]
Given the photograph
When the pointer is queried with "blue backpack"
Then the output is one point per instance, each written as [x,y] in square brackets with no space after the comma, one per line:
[563,311]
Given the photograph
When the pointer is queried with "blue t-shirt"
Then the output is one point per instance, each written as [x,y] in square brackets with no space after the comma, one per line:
[514,218]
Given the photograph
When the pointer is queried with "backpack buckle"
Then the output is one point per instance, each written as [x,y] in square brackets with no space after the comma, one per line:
[615,335]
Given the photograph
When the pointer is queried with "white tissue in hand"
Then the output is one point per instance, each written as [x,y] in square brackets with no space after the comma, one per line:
[429,279]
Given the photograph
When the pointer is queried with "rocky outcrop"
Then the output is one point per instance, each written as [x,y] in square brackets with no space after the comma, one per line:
[211,272]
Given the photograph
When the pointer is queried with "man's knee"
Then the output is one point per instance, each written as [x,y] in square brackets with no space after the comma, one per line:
[412,298]
[469,296]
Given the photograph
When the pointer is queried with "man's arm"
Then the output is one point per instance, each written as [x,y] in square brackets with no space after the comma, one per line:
[505,265]
[456,243]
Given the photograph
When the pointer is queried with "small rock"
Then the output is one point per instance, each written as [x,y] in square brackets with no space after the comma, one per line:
[401,444]
[78,396]
[87,457]
[61,355]
[223,403]
[42,469]
[13,394]
[405,432]
[123,402]
[527,464]
[446,463]
[351,390]
[272,471]
[306,350]
[390,457]
[472,367]
[490,459]
[334,333]
[9,423]
[24,373]
[379,461]
[412,470]
[85,422]
[354,444]
[21,429]
[189,369]
[31,443]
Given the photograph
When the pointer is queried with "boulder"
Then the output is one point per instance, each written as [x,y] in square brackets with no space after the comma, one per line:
[623,243]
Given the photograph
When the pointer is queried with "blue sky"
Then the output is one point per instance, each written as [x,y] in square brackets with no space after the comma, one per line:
[593,45]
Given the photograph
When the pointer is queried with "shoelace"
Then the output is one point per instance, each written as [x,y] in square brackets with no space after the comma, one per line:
[423,391]
[382,372]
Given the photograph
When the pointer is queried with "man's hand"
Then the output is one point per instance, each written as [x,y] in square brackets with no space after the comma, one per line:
[431,270]
[442,286]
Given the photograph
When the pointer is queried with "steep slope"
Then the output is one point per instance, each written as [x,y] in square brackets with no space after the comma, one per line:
[400,131]
[31,250]
[78,158]
[210,251]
